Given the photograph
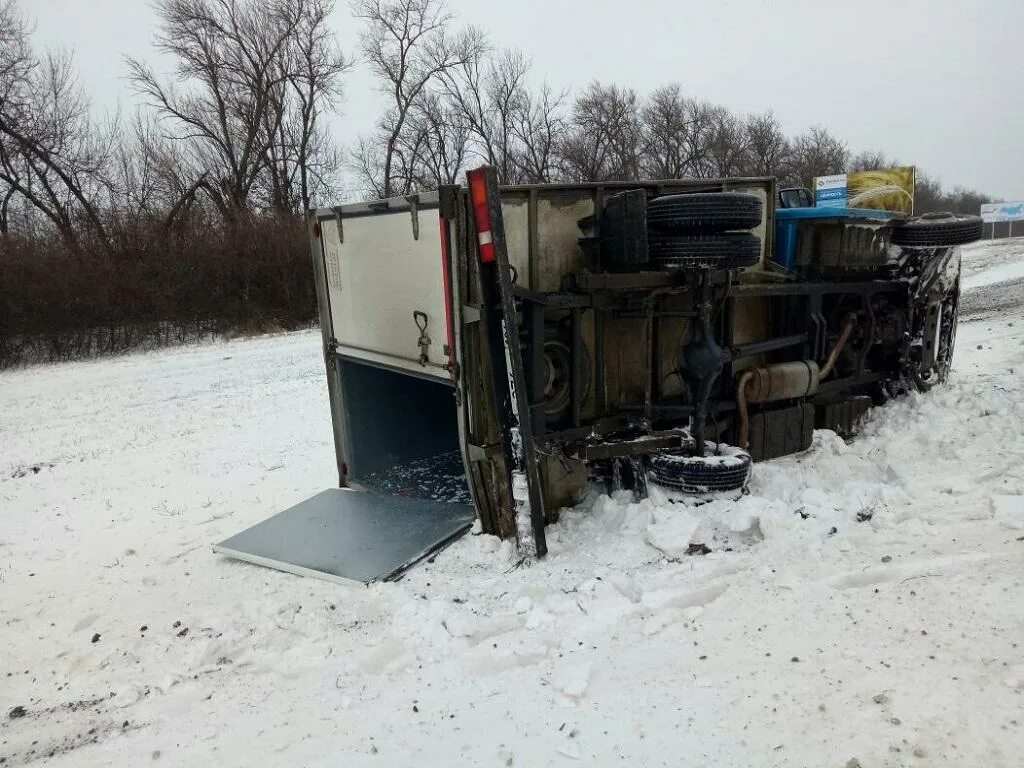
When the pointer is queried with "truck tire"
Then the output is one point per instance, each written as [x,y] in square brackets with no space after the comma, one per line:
[704,212]
[724,469]
[730,250]
[936,230]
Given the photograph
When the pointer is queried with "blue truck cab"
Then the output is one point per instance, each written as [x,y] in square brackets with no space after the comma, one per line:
[815,241]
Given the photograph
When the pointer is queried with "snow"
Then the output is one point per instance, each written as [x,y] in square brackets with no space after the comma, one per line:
[1000,274]
[994,261]
[860,606]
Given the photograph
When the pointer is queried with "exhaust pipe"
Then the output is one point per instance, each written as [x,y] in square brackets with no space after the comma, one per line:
[784,381]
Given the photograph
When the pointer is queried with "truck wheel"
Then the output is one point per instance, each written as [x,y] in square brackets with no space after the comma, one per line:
[704,212]
[936,230]
[558,372]
[724,469]
[730,250]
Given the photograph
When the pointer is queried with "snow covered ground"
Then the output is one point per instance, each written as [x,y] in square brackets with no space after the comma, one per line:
[993,261]
[863,606]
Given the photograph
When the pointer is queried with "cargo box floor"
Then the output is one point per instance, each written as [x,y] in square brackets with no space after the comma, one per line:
[351,536]
[437,478]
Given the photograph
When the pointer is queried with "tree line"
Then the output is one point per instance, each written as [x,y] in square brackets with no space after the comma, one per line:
[185,218]
[455,100]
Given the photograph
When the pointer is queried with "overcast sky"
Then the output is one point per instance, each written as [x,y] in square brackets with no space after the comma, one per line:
[935,83]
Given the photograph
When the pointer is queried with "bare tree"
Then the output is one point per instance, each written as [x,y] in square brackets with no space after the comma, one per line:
[256,75]
[312,66]
[438,142]
[669,127]
[409,171]
[16,63]
[684,137]
[154,182]
[930,197]
[766,144]
[603,139]
[505,124]
[226,55]
[727,144]
[408,45]
[367,161]
[490,96]
[869,160]
[52,153]
[16,58]
[540,127]
[815,153]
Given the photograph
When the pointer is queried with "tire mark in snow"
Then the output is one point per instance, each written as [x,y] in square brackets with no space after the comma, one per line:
[27,746]
[669,598]
[940,566]
[174,558]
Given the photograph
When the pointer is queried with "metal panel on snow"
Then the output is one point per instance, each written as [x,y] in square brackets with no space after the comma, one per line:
[350,536]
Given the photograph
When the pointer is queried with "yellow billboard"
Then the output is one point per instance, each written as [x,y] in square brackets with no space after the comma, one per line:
[886,189]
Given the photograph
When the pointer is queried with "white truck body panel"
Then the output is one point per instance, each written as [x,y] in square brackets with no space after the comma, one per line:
[378,274]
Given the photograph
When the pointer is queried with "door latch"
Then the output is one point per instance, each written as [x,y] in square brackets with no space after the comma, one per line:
[421,320]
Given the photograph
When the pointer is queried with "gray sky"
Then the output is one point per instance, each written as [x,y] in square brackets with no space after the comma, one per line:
[934,83]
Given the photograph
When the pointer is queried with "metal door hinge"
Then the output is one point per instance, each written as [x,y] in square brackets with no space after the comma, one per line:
[482,452]
[470,314]
[331,354]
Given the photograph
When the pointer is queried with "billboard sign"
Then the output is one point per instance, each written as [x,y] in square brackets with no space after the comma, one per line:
[886,189]
[992,212]
[830,191]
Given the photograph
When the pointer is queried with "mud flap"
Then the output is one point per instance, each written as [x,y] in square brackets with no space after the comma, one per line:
[351,537]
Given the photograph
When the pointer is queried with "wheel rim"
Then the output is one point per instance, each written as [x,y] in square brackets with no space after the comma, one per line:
[558,377]
[945,340]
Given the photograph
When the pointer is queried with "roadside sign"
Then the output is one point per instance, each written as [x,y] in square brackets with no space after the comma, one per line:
[993,212]
[886,189]
[830,191]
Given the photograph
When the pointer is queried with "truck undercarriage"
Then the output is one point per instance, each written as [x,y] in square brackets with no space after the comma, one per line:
[642,366]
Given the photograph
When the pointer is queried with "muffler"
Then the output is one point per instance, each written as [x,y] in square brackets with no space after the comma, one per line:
[784,381]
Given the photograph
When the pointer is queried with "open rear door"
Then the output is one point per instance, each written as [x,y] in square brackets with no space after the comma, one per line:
[351,536]
[383,280]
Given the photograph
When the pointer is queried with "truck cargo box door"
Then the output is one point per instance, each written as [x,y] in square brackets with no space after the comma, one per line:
[387,285]
[349,536]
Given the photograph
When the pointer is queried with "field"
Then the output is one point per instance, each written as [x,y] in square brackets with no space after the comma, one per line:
[860,607]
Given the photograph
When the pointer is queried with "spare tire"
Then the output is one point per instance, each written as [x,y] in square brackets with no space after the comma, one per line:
[704,212]
[729,250]
[725,468]
[936,230]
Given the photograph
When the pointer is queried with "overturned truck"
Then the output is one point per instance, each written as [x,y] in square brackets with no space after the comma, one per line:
[492,350]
